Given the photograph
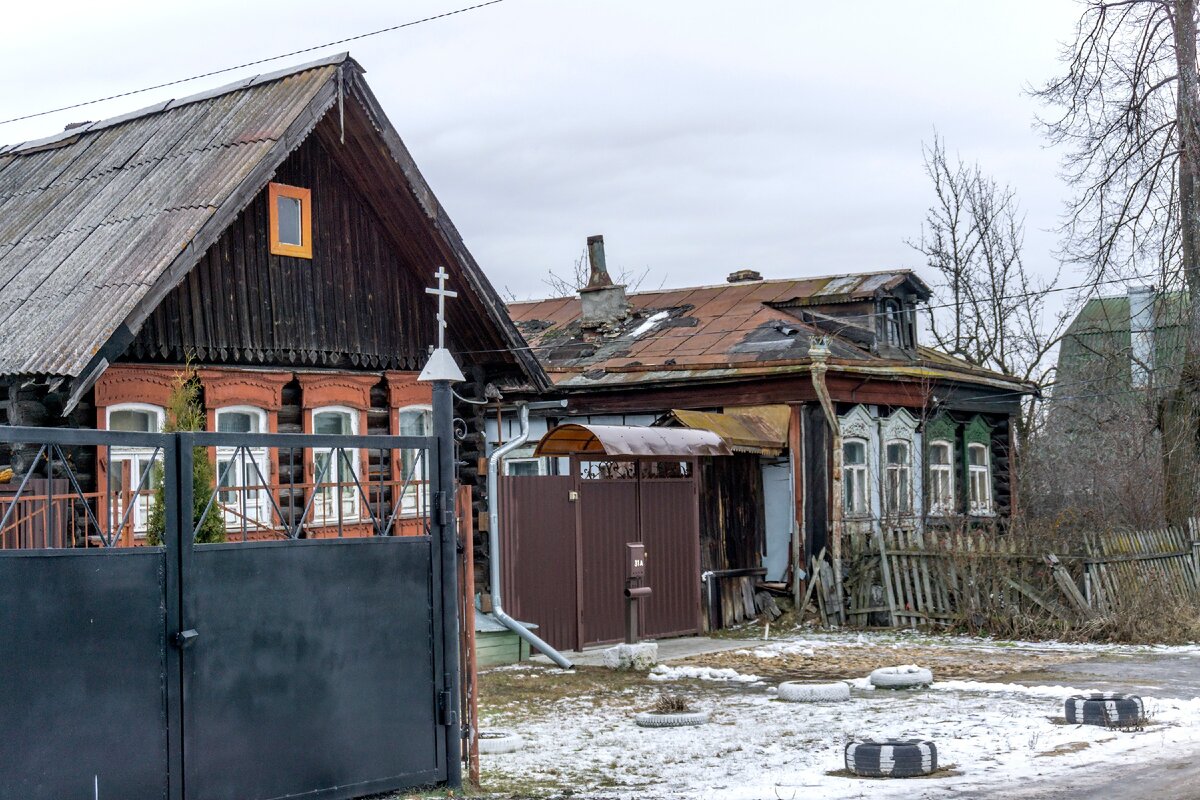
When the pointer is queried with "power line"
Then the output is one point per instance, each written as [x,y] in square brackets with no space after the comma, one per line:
[252,63]
[865,315]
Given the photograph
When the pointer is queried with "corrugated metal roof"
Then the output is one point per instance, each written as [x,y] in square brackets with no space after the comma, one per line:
[750,429]
[627,440]
[91,218]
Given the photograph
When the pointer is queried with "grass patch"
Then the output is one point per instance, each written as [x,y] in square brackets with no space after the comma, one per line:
[1064,749]
[533,689]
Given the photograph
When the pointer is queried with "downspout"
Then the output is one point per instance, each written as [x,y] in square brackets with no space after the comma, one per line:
[818,352]
[493,485]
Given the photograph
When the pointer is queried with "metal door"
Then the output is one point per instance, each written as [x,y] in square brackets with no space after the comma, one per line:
[607,519]
[777,500]
[314,667]
[670,529]
[86,699]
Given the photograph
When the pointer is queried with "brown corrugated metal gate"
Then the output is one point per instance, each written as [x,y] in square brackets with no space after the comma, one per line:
[564,561]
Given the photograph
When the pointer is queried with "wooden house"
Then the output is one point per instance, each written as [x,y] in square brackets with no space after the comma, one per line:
[275,233]
[925,438]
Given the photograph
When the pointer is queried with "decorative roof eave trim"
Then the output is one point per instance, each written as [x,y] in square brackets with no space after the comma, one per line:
[211,230]
[732,372]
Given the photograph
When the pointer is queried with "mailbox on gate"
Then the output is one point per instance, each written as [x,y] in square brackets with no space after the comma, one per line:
[636,563]
[635,570]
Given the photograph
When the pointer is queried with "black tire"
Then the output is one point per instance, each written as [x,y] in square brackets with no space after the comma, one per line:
[891,758]
[1104,708]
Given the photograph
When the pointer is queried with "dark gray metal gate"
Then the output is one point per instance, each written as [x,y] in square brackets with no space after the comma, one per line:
[307,662]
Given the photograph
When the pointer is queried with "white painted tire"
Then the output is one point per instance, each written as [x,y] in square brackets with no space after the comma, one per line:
[794,692]
[495,742]
[648,719]
[908,677]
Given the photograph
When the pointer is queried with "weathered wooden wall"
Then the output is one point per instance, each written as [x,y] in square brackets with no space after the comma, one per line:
[816,481]
[356,304]
[732,526]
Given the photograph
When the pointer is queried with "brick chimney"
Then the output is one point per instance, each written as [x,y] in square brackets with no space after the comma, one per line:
[604,302]
[744,276]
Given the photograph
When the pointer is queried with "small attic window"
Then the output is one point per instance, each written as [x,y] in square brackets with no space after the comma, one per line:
[291,220]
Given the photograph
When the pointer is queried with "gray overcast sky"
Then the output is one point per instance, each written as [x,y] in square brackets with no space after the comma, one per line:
[698,136]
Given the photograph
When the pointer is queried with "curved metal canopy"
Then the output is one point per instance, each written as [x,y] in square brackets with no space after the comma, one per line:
[625,440]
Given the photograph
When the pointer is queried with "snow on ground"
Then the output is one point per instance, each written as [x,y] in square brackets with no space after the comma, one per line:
[990,734]
[664,672]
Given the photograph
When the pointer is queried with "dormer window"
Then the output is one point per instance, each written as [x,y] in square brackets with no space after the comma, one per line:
[291,220]
[894,329]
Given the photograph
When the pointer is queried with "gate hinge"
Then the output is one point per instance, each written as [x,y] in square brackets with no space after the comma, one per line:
[447,513]
[446,714]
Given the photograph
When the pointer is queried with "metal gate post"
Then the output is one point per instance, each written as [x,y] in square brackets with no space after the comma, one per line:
[173,492]
[443,427]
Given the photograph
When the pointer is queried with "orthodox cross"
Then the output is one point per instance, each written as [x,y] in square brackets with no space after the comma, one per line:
[442,293]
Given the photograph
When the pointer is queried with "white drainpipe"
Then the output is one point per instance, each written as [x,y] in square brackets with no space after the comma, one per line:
[493,487]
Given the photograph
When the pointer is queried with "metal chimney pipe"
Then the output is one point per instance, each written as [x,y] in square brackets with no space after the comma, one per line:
[493,486]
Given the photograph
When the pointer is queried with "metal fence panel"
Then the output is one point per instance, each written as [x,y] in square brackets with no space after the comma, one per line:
[83,702]
[312,672]
[538,554]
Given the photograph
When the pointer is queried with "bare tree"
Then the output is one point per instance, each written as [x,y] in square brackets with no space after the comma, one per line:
[1128,113]
[570,283]
[990,310]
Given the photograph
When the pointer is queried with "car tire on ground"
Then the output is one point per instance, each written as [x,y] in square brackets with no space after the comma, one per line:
[907,677]
[795,692]
[495,742]
[891,758]
[1104,708]
[649,719]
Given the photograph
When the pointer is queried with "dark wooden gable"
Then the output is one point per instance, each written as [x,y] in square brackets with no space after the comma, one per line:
[358,303]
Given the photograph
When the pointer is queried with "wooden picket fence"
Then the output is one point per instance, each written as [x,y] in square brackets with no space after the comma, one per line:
[905,577]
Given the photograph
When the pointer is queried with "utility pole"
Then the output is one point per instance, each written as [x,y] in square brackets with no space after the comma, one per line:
[441,370]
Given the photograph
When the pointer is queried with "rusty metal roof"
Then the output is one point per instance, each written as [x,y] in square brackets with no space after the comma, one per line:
[749,429]
[623,440]
[732,331]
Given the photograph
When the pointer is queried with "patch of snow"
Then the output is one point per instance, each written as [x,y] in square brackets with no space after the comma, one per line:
[996,735]
[664,672]
[649,324]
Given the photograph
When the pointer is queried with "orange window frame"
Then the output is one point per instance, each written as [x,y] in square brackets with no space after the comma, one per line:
[278,248]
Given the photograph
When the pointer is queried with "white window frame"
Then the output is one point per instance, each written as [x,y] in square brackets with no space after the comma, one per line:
[856,480]
[137,460]
[941,506]
[414,487]
[980,480]
[539,463]
[242,473]
[904,506]
[328,500]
